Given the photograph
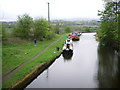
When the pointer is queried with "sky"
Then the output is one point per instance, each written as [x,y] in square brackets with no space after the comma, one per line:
[59,9]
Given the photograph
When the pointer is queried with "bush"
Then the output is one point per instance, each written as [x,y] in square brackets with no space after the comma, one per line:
[50,35]
[3,33]
[41,27]
[67,29]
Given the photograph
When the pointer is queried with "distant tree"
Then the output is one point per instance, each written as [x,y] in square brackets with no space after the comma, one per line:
[87,30]
[23,27]
[4,36]
[50,34]
[67,29]
[0,31]
[57,28]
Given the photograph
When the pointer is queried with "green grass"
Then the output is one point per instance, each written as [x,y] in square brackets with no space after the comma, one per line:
[46,56]
[9,32]
[15,54]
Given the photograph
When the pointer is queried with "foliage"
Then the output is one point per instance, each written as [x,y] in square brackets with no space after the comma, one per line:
[0,31]
[4,37]
[23,27]
[28,29]
[119,23]
[3,34]
[67,29]
[41,27]
[108,34]
[50,34]
[89,29]
[57,28]
[42,30]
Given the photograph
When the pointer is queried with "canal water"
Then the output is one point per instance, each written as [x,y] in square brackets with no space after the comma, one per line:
[91,66]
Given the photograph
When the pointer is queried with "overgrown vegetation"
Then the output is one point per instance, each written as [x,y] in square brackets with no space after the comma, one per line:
[67,29]
[109,25]
[23,27]
[4,37]
[29,29]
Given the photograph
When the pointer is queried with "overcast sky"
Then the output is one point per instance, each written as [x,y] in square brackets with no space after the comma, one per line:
[59,9]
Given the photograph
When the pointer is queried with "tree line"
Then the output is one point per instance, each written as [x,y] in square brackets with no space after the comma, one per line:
[27,28]
[30,29]
[109,32]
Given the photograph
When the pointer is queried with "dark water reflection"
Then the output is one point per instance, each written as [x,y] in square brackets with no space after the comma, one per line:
[108,68]
[91,66]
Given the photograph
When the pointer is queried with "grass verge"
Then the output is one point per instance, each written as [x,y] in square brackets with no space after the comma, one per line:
[46,56]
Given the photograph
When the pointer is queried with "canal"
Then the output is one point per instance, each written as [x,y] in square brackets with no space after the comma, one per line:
[91,66]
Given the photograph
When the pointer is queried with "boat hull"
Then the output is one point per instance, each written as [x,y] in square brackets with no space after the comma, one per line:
[75,39]
[67,54]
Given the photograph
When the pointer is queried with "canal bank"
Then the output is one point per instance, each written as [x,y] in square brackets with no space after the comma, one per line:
[108,74]
[31,76]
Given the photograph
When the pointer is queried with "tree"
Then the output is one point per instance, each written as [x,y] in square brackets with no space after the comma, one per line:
[41,28]
[119,26]
[57,28]
[67,29]
[87,29]
[108,34]
[23,27]
[50,34]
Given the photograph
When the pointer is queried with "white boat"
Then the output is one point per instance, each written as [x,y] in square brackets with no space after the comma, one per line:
[68,46]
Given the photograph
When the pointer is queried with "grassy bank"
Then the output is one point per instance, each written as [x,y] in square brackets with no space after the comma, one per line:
[32,51]
[15,54]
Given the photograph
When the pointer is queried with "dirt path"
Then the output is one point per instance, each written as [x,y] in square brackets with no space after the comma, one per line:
[8,75]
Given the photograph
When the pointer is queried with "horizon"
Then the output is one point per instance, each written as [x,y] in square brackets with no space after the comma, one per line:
[63,19]
[68,19]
